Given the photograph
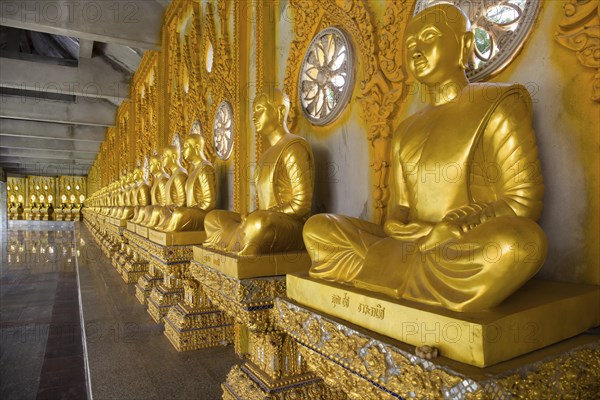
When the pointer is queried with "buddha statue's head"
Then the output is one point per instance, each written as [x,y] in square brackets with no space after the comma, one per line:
[193,148]
[438,43]
[138,174]
[154,164]
[170,158]
[270,111]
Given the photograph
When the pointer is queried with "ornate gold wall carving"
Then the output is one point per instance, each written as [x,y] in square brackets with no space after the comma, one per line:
[144,94]
[379,58]
[72,188]
[16,190]
[124,138]
[41,187]
[579,31]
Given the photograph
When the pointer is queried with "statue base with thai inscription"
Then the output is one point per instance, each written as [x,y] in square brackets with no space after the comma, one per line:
[366,365]
[142,231]
[192,328]
[539,314]
[242,267]
[176,238]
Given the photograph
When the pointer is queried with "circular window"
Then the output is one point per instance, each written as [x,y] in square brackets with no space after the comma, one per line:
[223,131]
[500,28]
[326,76]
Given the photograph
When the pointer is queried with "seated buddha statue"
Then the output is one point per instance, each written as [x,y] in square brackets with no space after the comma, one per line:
[284,180]
[200,190]
[465,188]
[118,197]
[128,197]
[157,192]
[142,195]
[175,186]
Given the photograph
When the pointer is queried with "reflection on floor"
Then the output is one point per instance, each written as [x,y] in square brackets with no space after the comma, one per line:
[42,353]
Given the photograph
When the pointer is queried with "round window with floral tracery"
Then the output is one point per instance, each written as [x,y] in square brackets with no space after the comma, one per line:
[223,131]
[326,76]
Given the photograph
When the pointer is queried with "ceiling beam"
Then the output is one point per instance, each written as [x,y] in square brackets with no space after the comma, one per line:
[48,144]
[49,130]
[48,154]
[135,23]
[84,112]
[93,78]
[85,48]
[43,166]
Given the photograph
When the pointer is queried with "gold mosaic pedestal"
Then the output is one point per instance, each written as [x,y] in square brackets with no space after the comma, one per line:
[366,365]
[272,368]
[144,287]
[162,262]
[195,323]
[161,300]
[136,265]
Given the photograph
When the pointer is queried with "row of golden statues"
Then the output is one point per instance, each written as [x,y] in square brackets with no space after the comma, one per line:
[459,240]
[433,246]
[45,211]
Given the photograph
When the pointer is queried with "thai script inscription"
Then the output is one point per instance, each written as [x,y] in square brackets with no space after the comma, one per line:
[338,300]
[378,311]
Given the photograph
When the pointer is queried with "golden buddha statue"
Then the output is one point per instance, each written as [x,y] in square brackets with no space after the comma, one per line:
[157,192]
[466,188]
[142,196]
[175,186]
[200,190]
[284,180]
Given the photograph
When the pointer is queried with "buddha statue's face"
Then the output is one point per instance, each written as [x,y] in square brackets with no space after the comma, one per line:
[189,147]
[170,157]
[138,174]
[154,164]
[436,43]
[265,116]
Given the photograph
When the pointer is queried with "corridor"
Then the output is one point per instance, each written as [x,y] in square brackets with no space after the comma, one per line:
[54,280]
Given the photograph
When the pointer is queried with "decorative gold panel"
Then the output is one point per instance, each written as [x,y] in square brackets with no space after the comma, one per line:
[579,31]
[41,189]
[124,137]
[144,94]
[380,74]
[71,189]
[16,190]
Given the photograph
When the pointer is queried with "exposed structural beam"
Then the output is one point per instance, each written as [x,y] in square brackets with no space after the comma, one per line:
[82,157]
[93,78]
[84,112]
[48,144]
[130,23]
[85,48]
[42,168]
[48,130]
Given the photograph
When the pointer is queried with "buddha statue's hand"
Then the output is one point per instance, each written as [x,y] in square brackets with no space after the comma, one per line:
[469,216]
[406,231]
[440,234]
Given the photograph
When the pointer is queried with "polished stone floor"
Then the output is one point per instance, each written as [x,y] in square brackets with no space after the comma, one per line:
[53,277]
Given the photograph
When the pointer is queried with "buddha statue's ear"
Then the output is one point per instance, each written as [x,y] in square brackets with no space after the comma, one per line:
[466,45]
[281,110]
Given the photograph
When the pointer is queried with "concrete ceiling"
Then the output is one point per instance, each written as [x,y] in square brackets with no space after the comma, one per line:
[65,66]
